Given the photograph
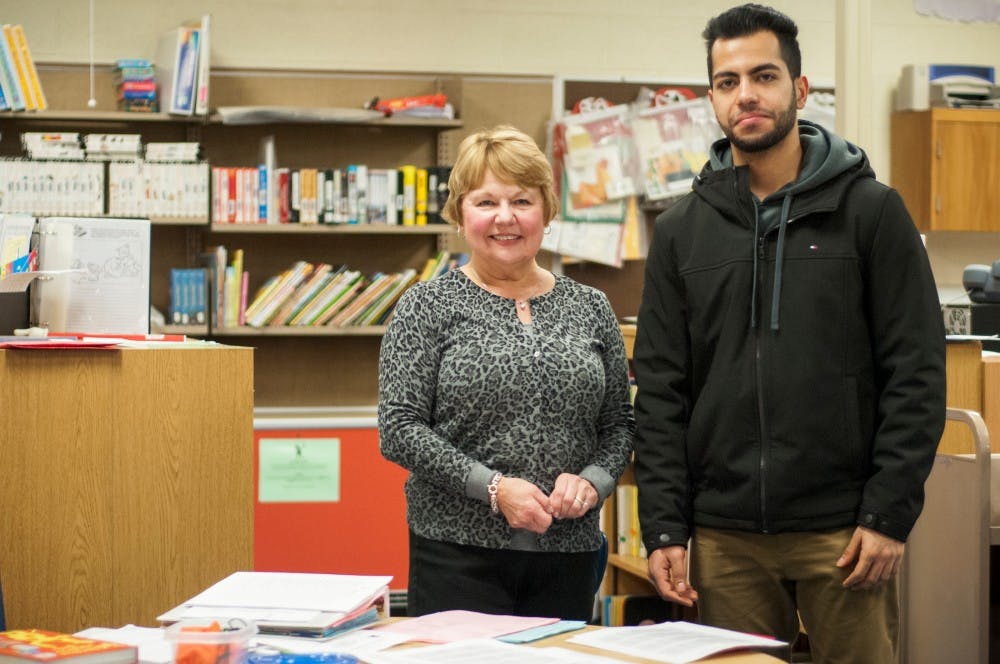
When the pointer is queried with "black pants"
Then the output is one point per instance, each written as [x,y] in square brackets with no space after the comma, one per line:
[446,576]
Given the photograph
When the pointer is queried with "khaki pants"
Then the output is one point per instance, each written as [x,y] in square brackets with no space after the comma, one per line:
[762,583]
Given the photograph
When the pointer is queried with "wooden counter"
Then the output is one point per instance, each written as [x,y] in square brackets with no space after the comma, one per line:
[128,481]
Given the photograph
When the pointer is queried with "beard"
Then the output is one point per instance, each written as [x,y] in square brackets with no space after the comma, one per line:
[784,121]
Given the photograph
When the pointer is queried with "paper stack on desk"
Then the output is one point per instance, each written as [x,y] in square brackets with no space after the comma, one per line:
[299,604]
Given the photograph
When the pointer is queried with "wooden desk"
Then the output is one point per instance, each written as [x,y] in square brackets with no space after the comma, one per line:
[127,481]
[973,384]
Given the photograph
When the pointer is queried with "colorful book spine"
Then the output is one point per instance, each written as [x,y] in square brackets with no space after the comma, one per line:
[30,72]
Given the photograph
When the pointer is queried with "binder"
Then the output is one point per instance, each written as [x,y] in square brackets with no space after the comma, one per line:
[177,70]
[325,603]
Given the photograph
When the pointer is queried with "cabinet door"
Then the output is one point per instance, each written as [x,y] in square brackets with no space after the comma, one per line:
[968,197]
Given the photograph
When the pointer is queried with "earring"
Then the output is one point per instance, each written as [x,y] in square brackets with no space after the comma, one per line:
[548,230]
[458,231]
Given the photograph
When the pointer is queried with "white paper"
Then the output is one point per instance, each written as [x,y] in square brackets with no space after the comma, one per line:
[671,642]
[291,590]
[485,650]
[108,293]
[151,641]
[358,643]
[597,242]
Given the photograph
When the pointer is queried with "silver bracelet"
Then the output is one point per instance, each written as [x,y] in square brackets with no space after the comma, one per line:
[492,488]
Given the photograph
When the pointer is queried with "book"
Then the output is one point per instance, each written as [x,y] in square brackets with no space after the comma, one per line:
[30,72]
[409,211]
[204,67]
[19,646]
[19,73]
[177,70]
[327,297]
[280,293]
[9,82]
[341,300]
[420,197]
[380,309]
[437,192]
[302,295]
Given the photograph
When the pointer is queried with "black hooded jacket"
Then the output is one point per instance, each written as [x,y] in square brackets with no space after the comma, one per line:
[789,354]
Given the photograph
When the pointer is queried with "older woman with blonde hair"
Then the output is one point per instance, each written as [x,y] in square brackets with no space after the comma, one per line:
[503,389]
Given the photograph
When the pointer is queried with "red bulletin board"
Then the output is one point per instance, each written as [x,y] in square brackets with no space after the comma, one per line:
[363,533]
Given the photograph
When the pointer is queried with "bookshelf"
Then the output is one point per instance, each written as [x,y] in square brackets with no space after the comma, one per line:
[298,367]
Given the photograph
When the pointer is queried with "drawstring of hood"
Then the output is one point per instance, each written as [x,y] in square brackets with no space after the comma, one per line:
[786,205]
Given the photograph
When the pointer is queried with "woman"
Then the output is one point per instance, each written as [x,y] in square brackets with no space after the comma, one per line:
[503,389]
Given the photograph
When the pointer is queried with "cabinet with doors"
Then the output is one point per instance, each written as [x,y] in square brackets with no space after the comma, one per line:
[945,163]
[298,367]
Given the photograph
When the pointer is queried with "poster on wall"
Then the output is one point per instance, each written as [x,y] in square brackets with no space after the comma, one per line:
[960,10]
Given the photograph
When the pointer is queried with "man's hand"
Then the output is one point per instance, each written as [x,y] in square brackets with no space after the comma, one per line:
[668,573]
[878,558]
[524,505]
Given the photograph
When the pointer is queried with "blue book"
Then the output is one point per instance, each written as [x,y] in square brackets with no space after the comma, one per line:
[262,193]
[126,63]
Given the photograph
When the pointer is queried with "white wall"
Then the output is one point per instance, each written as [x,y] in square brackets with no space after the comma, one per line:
[640,39]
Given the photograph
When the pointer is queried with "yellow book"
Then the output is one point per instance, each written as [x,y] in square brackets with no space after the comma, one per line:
[420,194]
[409,194]
[31,73]
[19,71]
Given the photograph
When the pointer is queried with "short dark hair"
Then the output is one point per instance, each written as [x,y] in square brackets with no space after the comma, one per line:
[751,18]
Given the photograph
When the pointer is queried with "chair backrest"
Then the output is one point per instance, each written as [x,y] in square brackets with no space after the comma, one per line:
[944,587]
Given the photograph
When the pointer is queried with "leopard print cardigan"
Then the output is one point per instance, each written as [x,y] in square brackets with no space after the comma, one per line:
[466,389]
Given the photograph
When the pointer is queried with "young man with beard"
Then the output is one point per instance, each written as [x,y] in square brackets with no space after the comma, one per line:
[790,365]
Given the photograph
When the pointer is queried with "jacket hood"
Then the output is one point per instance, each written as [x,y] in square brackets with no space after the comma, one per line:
[829,166]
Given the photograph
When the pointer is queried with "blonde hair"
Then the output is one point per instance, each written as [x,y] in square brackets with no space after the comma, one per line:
[512,156]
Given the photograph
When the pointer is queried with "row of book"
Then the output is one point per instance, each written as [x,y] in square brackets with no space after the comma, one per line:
[96,188]
[20,88]
[304,295]
[357,194]
[69,145]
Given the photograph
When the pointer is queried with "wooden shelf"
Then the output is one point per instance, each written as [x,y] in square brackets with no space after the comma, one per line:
[303,331]
[632,564]
[345,229]
[99,117]
[178,221]
[188,330]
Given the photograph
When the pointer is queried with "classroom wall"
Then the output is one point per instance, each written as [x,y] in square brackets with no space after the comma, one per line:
[634,39]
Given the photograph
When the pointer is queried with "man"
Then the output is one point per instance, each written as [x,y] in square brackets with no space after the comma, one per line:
[790,365]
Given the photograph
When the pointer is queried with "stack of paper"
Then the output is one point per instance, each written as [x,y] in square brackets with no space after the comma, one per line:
[316,605]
